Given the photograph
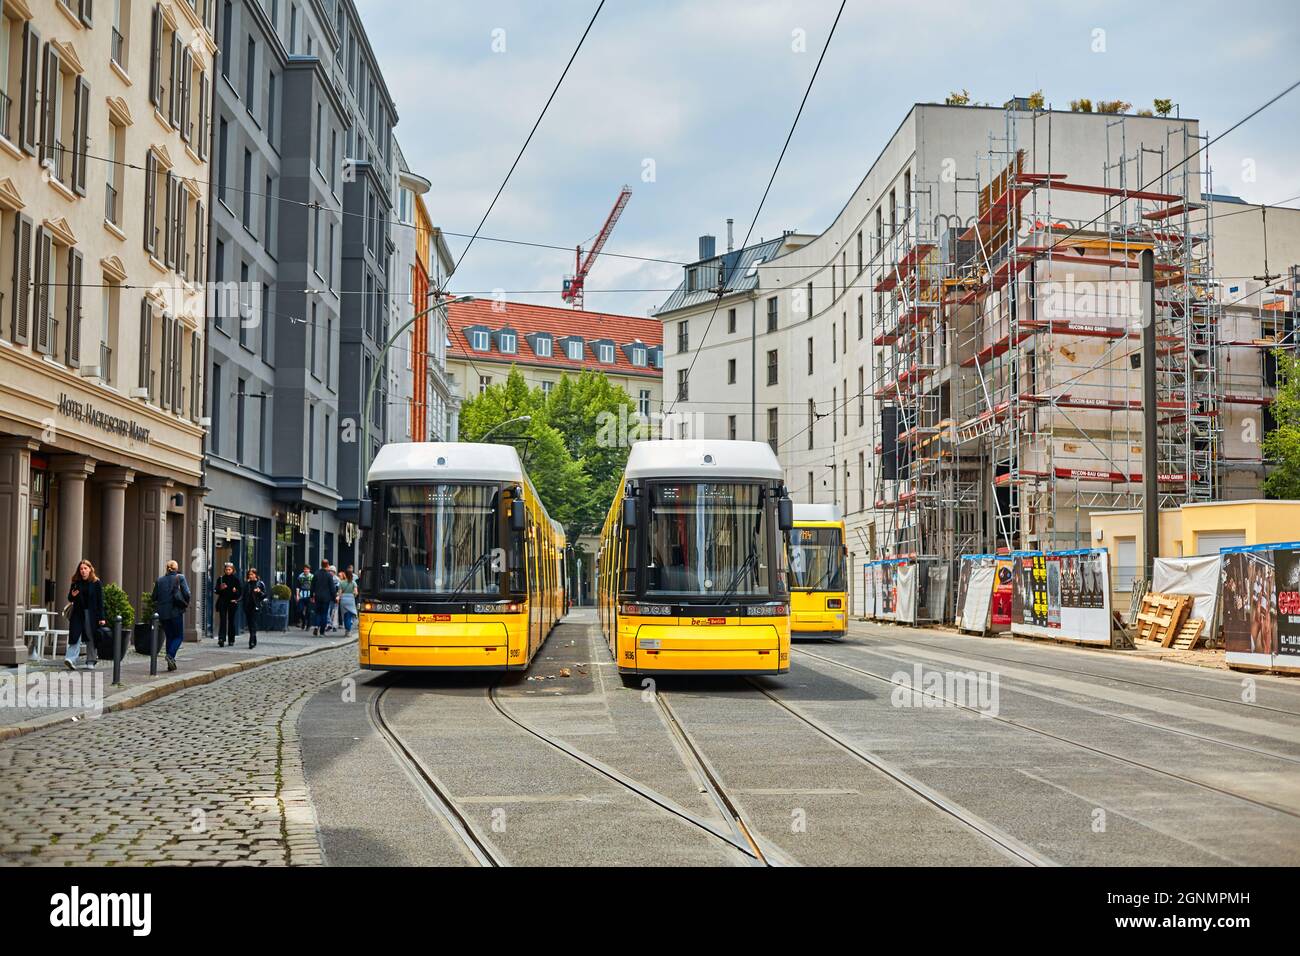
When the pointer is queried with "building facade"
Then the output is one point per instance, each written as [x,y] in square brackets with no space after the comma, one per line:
[297,118]
[489,338]
[104,116]
[421,406]
[932,361]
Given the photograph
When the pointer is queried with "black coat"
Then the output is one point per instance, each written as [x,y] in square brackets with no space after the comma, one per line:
[228,590]
[87,596]
[323,587]
[254,596]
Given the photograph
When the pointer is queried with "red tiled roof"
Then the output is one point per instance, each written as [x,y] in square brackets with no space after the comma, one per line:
[525,318]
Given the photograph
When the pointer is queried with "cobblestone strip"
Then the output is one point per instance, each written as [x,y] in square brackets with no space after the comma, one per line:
[212,776]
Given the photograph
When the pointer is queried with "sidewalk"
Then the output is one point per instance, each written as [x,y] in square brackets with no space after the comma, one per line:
[22,711]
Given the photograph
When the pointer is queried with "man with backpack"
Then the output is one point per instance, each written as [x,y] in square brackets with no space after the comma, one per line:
[171,596]
[302,589]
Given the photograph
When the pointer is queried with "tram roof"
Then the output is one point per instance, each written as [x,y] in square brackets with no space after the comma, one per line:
[446,461]
[699,458]
[809,512]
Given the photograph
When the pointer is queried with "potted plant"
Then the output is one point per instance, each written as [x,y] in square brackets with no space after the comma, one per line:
[117,603]
[144,625]
[275,612]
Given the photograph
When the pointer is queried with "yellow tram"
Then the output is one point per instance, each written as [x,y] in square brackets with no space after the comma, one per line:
[692,561]
[818,576]
[463,568]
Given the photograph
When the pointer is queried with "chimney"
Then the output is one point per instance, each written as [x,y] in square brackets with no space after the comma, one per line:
[730,242]
[707,247]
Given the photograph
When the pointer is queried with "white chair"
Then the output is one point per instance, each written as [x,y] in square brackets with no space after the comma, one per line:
[36,636]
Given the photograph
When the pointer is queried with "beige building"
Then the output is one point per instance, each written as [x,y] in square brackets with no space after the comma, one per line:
[103,195]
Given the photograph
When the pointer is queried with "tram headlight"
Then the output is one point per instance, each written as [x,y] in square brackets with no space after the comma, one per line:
[765,610]
[378,607]
[646,610]
[497,608]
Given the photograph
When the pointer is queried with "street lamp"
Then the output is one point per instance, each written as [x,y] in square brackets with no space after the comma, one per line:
[381,364]
[509,421]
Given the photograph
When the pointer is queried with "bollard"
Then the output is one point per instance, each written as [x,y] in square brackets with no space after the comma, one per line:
[117,651]
[153,646]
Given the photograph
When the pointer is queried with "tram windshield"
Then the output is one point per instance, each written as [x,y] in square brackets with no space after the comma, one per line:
[709,539]
[441,538]
[817,559]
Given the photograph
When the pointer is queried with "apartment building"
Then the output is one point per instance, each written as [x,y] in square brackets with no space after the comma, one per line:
[932,361]
[104,118]
[297,119]
[421,406]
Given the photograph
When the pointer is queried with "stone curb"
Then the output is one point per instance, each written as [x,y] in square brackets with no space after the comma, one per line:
[135,697]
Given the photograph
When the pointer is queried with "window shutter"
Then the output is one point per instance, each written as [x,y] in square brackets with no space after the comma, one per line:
[202,131]
[164,385]
[169,222]
[28,113]
[22,278]
[195,358]
[181,252]
[155,60]
[178,365]
[41,286]
[146,330]
[185,93]
[81,137]
[173,87]
[150,201]
[72,350]
[200,269]
[49,93]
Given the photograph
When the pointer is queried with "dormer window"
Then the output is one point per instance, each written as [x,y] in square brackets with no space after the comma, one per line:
[657,356]
[638,356]
[479,340]
[573,349]
[508,341]
[605,352]
[542,346]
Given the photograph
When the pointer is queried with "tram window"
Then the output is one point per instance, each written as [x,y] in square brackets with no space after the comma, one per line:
[439,538]
[816,559]
[707,538]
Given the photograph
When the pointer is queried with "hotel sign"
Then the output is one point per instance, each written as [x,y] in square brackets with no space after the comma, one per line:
[86,413]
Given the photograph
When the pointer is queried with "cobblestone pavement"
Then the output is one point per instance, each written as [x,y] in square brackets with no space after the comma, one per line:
[209,776]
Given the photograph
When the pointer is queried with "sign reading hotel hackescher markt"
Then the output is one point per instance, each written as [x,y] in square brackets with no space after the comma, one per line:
[87,413]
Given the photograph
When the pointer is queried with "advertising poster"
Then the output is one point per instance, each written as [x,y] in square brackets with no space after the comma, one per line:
[1261,605]
[1063,594]
[905,592]
[976,581]
[963,583]
[1003,594]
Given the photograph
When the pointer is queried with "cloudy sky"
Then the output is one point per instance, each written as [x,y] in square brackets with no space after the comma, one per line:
[705,90]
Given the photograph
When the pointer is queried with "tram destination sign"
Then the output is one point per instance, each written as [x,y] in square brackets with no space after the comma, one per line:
[88,414]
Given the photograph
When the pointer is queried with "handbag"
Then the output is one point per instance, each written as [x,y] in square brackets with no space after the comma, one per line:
[180,600]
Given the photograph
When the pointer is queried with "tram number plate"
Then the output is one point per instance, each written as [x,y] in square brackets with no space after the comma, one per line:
[433,618]
[707,621]
[648,643]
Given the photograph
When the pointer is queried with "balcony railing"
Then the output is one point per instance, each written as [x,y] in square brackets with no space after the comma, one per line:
[119,42]
[5,104]
[106,363]
[56,160]
[110,203]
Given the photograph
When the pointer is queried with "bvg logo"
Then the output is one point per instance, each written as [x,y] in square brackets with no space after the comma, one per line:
[707,621]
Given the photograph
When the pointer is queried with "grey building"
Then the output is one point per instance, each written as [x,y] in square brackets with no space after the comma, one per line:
[297,92]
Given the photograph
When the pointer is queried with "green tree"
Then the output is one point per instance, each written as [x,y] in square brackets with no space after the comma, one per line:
[957,99]
[1163,107]
[1282,445]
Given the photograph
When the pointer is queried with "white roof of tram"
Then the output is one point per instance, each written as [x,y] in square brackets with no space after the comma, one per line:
[691,457]
[446,461]
[807,512]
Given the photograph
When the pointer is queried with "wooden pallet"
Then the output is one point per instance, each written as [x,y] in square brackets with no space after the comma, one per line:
[1162,616]
[1189,635]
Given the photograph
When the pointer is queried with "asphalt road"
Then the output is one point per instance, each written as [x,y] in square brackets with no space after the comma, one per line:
[1016,754]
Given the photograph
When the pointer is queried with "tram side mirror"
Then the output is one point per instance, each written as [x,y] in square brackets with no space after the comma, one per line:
[366,514]
[629,512]
[517,515]
[785,514]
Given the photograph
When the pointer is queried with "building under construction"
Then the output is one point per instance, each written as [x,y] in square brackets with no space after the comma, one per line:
[1009,375]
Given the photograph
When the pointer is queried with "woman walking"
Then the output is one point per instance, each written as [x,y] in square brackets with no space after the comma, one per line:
[86,609]
[253,598]
[347,600]
[228,591]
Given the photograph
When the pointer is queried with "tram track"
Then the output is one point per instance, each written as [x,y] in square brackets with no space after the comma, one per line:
[739,839]
[1080,673]
[1005,842]
[1099,751]
[479,848]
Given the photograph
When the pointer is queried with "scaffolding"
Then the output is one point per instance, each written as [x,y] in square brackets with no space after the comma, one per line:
[1009,379]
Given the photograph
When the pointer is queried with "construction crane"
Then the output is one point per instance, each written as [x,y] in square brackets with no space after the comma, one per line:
[573,285]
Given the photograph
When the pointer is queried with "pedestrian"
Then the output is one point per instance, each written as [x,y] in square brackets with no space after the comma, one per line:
[348,601]
[228,590]
[303,587]
[336,609]
[85,610]
[324,593]
[171,597]
[253,598]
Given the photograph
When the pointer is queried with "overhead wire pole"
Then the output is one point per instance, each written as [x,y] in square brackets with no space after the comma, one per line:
[753,222]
